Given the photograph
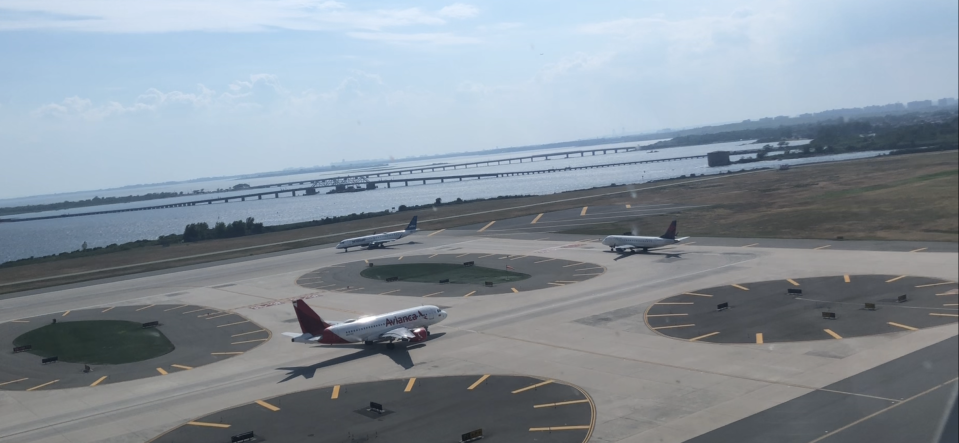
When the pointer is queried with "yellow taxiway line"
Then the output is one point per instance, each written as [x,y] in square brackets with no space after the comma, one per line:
[267,405]
[674,326]
[793,282]
[897,278]
[478,382]
[471,293]
[436,232]
[390,292]
[560,428]
[583,212]
[336,393]
[178,307]
[409,385]
[185,368]
[740,287]
[13,381]
[248,333]
[45,384]
[231,324]
[918,250]
[162,371]
[435,293]
[674,303]
[821,247]
[537,385]
[487,226]
[249,341]
[145,307]
[935,314]
[902,326]
[920,286]
[99,380]
[208,425]
[544,261]
[665,315]
[536,219]
[107,309]
[225,353]
[759,338]
[703,336]
[515,290]
[833,334]
[697,294]
[65,314]
[562,403]
[750,245]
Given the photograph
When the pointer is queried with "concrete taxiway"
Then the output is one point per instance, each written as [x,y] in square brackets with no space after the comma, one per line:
[645,387]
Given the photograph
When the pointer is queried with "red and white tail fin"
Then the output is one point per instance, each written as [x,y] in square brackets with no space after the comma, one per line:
[310,322]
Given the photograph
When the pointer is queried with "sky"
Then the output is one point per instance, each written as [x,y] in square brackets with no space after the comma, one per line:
[105,93]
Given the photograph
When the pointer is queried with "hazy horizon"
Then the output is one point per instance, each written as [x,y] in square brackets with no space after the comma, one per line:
[99,94]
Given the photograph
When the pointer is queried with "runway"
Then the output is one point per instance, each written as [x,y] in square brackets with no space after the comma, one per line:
[645,387]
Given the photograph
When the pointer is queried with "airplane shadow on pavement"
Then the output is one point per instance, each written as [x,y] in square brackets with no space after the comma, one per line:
[665,255]
[400,355]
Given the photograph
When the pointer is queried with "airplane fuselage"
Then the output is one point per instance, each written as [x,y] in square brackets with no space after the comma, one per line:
[367,240]
[637,242]
[371,329]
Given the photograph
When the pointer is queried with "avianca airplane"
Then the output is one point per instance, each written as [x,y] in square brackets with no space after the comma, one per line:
[409,325]
[632,242]
[377,240]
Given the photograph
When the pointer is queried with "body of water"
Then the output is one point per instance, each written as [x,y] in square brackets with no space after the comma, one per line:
[44,237]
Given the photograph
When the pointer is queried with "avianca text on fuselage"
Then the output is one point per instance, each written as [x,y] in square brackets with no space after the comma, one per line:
[632,242]
[408,325]
[377,240]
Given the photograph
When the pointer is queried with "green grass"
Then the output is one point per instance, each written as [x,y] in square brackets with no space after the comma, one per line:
[865,189]
[434,272]
[98,342]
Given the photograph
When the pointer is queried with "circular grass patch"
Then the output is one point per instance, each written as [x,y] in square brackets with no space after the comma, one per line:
[99,342]
[434,272]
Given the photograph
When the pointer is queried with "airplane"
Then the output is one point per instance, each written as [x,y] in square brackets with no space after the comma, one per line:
[408,325]
[632,242]
[377,240]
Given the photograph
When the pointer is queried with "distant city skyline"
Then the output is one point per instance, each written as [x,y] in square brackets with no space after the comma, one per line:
[101,94]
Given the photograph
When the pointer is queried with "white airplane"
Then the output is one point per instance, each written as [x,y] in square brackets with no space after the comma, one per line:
[377,240]
[409,325]
[633,242]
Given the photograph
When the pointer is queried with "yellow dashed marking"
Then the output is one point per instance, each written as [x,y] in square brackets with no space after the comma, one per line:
[13,381]
[487,226]
[471,293]
[674,303]
[822,247]
[19,321]
[208,425]
[574,264]
[703,336]
[409,385]
[336,393]
[197,310]
[249,341]
[950,304]
[435,293]
[562,403]
[556,284]
[559,428]
[588,269]
[108,309]
[99,380]
[478,382]
[675,326]
[934,314]
[178,307]
[846,278]
[750,245]
[903,326]
[517,258]
[401,257]
[536,219]
[740,287]
[759,338]
[145,307]
[390,292]
[162,371]
[583,212]
[590,275]
[697,294]
[247,333]
[665,315]
[833,334]
[221,315]
[537,385]
[487,255]
[267,405]
[918,250]
[231,324]
[65,314]
[544,261]
[45,384]
[514,290]
[436,232]
[434,255]
[629,206]
[185,368]
[462,255]
[792,281]
[225,353]
[920,286]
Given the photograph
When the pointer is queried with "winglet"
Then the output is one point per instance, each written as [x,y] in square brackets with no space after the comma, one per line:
[412,226]
[671,232]
[310,321]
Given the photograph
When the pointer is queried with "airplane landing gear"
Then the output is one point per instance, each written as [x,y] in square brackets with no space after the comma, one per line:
[390,346]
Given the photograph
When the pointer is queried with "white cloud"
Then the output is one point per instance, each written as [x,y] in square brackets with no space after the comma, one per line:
[576,62]
[459,10]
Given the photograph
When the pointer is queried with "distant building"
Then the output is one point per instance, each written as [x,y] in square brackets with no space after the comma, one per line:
[919,104]
[946,101]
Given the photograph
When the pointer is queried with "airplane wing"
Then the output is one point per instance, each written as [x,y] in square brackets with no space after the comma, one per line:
[681,239]
[398,334]
[300,337]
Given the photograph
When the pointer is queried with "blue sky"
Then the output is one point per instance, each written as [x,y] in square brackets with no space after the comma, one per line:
[104,93]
